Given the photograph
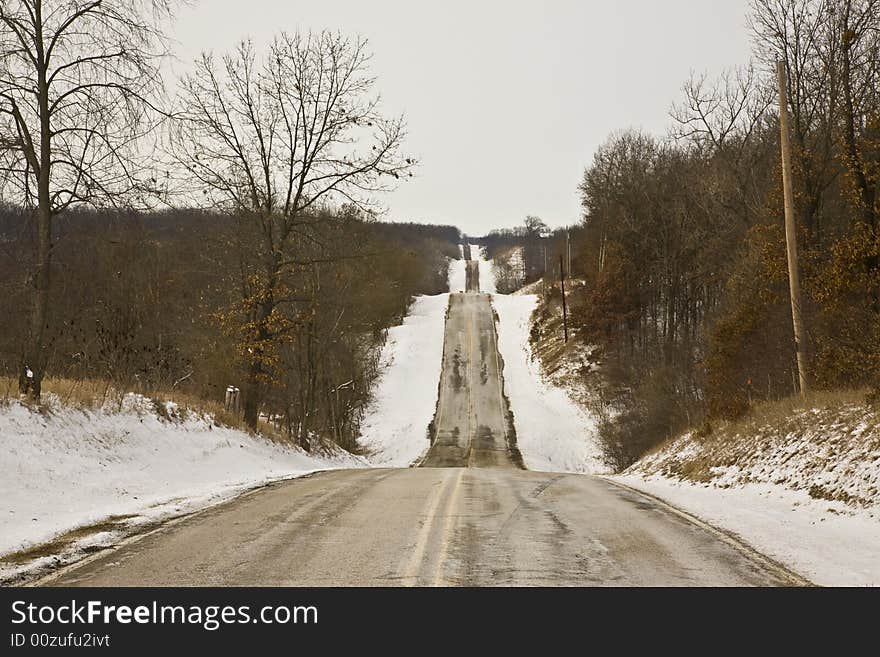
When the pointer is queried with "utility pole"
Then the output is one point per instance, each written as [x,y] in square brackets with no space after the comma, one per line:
[564,306]
[794,282]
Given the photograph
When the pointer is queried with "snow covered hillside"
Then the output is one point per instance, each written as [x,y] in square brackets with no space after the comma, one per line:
[106,472]
[804,489]
[830,453]
[394,432]
[457,275]
[553,433]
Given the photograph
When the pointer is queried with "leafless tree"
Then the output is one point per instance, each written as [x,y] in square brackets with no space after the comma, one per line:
[721,120]
[831,51]
[78,85]
[713,111]
[273,138]
[797,32]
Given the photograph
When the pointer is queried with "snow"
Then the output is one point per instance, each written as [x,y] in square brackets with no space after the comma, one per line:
[833,451]
[829,543]
[487,273]
[395,428]
[457,275]
[69,468]
[553,433]
[802,486]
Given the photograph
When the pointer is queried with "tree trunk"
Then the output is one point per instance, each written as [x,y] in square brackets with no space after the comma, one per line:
[34,366]
[254,391]
[864,193]
[253,395]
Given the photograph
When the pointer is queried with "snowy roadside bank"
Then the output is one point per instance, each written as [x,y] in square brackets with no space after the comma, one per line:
[457,275]
[394,430]
[801,485]
[81,479]
[826,542]
[553,433]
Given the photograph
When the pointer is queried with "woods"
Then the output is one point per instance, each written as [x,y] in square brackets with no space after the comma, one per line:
[221,229]
[682,246]
[142,303]
[273,139]
[80,85]
[218,230]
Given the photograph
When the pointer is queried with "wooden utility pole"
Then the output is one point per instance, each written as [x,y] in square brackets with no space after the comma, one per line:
[794,282]
[564,306]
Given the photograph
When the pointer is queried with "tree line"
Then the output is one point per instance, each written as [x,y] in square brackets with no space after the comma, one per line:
[150,302]
[281,155]
[682,245]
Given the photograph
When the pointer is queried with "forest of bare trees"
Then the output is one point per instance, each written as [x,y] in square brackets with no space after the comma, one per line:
[80,97]
[217,230]
[682,246]
[141,302]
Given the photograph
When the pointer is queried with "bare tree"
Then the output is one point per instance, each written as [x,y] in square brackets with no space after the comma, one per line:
[713,112]
[78,82]
[797,33]
[721,121]
[272,139]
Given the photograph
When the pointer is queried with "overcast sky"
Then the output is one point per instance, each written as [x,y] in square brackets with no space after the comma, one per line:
[506,102]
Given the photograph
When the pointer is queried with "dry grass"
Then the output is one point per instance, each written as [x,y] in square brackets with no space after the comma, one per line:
[826,445]
[66,540]
[783,412]
[99,393]
[90,393]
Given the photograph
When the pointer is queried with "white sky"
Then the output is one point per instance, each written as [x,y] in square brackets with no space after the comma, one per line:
[506,102]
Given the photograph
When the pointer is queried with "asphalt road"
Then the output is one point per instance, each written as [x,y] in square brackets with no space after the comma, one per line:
[431,526]
[472,426]
[469,517]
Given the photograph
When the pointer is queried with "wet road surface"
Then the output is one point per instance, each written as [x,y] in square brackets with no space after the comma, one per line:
[431,526]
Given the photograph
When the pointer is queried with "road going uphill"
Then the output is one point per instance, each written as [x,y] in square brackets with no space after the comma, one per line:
[472,426]
[470,516]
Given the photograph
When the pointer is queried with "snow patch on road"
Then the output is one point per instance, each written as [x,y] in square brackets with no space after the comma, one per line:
[70,468]
[827,542]
[553,433]
[395,429]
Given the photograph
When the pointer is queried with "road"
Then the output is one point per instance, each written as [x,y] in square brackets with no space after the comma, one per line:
[431,526]
[472,426]
[470,516]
